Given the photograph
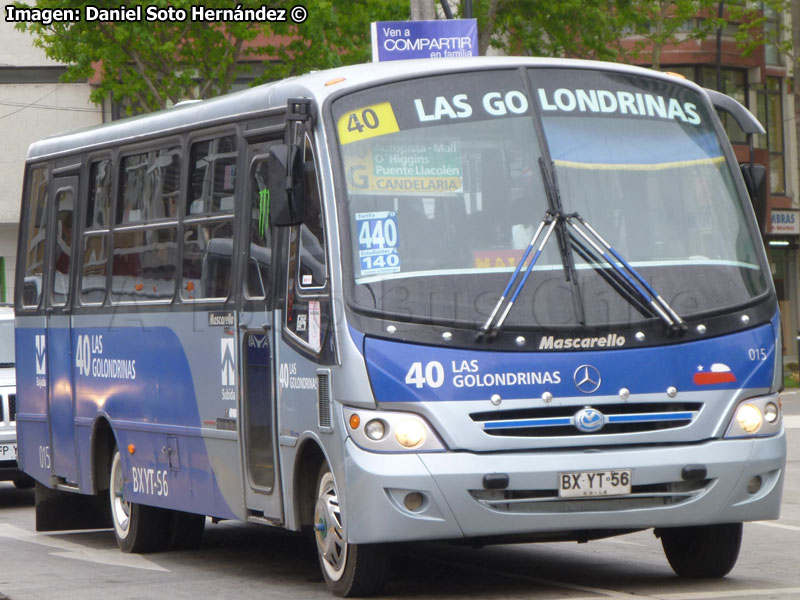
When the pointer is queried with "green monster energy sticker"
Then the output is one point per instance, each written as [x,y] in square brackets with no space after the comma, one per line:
[263,212]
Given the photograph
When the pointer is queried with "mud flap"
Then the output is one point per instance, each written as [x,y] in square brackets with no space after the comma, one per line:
[58,511]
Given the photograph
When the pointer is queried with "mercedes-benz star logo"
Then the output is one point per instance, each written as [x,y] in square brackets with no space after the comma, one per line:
[587,379]
[589,420]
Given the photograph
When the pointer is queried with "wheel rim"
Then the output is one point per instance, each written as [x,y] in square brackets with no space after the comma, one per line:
[120,509]
[329,529]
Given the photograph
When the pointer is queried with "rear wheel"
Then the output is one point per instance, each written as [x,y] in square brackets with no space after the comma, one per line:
[24,482]
[185,530]
[348,569]
[702,552]
[138,528]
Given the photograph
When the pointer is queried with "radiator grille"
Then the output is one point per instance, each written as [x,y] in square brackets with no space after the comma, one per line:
[560,421]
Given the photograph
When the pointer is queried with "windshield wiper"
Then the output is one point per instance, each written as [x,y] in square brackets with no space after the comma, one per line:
[593,248]
[626,280]
[491,327]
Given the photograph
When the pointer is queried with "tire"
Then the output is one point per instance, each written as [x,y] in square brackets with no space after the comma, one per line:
[137,527]
[185,530]
[24,482]
[702,552]
[348,569]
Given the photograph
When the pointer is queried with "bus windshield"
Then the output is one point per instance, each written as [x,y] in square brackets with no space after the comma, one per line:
[444,180]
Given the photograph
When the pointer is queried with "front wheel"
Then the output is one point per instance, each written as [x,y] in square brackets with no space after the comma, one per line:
[348,569]
[702,552]
[138,528]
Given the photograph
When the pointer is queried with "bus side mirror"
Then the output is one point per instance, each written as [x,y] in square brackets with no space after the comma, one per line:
[755,178]
[286,185]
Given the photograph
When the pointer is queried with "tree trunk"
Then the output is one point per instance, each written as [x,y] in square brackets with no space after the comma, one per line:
[422,10]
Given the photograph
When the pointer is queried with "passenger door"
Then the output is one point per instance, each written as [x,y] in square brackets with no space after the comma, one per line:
[59,330]
[259,426]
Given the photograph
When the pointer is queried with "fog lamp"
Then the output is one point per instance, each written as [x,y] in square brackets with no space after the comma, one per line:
[413,501]
[749,418]
[410,433]
[754,484]
[375,430]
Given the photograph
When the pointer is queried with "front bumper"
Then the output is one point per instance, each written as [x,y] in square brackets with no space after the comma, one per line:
[456,505]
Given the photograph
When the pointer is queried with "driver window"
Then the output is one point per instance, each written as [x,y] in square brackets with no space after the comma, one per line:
[307,301]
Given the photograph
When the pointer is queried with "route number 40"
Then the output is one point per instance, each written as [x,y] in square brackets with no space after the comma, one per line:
[431,374]
[369,119]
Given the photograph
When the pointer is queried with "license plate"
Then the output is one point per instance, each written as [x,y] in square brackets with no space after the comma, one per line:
[584,484]
[8,452]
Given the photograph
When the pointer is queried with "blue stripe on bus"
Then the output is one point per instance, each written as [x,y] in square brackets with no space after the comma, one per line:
[650,417]
[554,422]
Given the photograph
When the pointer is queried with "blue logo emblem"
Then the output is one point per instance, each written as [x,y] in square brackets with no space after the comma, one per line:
[589,420]
[587,379]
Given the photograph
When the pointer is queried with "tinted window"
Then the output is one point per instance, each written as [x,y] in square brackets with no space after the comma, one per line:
[93,279]
[260,238]
[150,186]
[208,232]
[312,240]
[35,237]
[207,249]
[144,264]
[63,248]
[212,176]
[98,209]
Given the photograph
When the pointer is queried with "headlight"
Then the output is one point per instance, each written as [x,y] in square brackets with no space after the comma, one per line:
[375,430]
[391,431]
[749,418]
[756,417]
[410,433]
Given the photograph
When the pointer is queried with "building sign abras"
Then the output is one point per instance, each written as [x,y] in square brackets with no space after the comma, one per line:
[397,40]
[785,222]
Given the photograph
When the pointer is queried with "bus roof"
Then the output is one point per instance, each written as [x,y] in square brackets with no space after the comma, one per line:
[317,85]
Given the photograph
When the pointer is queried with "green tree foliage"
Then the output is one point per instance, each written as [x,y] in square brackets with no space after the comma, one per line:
[590,28]
[618,30]
[578,28]
[146,65]
[336,33]
[755,29]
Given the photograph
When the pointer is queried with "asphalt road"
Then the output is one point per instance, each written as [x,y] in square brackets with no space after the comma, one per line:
[249,561]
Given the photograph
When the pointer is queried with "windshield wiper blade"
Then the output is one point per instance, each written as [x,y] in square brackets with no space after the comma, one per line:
[610,277]
[626,275]
[515,283]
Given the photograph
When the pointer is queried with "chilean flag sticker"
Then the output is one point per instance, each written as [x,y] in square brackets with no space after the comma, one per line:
[718,373]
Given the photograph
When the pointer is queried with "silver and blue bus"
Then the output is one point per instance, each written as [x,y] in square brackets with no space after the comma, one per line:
[483,300]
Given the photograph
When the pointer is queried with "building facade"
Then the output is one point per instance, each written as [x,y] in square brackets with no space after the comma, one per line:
[33,105]
[762,82]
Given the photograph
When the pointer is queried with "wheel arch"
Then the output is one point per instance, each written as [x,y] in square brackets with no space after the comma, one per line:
[310,458]
[103,443]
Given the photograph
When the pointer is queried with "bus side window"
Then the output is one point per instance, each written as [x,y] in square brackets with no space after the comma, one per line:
[96,236]
[208,220]
[260,257]
[36,228]
[307,300]
[63,250]
[312,271]
[144,259]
